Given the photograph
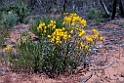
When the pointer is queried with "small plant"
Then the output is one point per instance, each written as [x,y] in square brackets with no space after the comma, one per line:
[95,15]
[9,19]
[18,8]
[29,58]
[22,11]
[3,34]
[3,55]
[122,24]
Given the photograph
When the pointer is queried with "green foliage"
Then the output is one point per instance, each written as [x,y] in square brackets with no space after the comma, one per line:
[34,25]
[29,58]
[55,60]
[3,56]
[18,8]
[122,24]
[9,19]
[96,15]
[91,13]
[3,34]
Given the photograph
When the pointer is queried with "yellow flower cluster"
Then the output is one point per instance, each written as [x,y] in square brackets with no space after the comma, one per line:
[41,26]
[84,47]
[74,20]
[95,35]
[52,24]
[88,39]
[24,39]
[46,29]
[8,48]
[81,33]
[58,36]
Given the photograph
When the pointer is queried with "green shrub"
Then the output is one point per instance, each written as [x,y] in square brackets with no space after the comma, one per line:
[18,8]
[29,58]
[96,15]
[9,19]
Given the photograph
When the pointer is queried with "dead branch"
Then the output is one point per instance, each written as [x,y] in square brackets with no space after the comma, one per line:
[105,67]
[95,69]
[104,7]
[121,7]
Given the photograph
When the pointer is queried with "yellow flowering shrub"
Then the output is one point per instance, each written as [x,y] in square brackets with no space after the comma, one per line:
[73,40]
[58,48]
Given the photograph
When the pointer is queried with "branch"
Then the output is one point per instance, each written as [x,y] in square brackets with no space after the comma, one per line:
[105,67]
[104,7]
[94,69]
[121,7]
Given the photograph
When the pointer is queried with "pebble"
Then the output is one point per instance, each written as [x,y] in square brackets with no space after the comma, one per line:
[2,71]
[122,45]
[99,46]
[122,75]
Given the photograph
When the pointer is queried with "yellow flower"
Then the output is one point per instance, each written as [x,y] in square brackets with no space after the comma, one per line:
[86,47]
[9,47]
[45,27]
[39,29]
[65,13]
[73,23]
[89,50]
[76,47]
[44,31]
[81,33]
[57,38]
[58,42]
[41,25]
[65,37]
[72,31]
[23,39]
[88,39]
[49,36]
[95,32]
[100,38]
[52,40]
[63,23]
[83,23]
[69,36]
[81,44]
[54,26]
[63,28]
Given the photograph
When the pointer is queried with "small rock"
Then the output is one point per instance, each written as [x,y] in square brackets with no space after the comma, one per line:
[99,46]
[2,71]
[122,75]
[122,45]
[94,51]
[115,75]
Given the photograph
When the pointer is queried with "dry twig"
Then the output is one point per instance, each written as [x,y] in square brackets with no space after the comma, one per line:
[95,69]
